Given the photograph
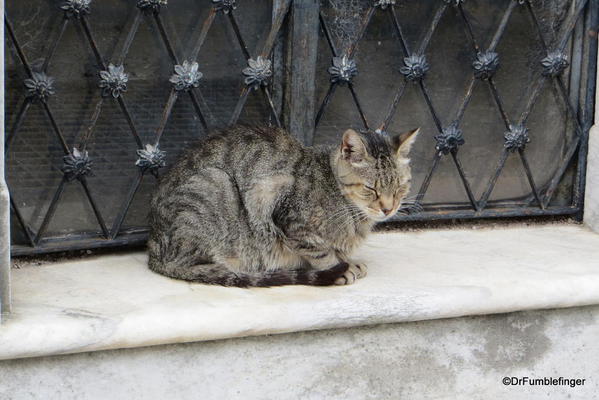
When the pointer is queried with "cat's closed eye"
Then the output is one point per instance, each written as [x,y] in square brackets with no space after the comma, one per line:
[370,192]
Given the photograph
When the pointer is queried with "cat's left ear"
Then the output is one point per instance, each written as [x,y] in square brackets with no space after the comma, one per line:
[402,143]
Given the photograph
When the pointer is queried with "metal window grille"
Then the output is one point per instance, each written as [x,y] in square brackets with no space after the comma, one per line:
[101,98]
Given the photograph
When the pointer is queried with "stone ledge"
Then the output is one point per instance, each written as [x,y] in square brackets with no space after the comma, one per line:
[112,302]
[591,202]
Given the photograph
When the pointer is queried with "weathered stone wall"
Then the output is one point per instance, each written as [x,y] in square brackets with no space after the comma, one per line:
[591,210]
[461,358]
[4,201]
[591,201]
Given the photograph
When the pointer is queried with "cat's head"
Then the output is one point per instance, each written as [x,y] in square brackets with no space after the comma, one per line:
[374,171]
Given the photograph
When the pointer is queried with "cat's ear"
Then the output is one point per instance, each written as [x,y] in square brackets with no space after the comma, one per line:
[402,143]
[353,149]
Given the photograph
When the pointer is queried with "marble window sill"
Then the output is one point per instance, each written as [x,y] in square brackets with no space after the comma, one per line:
[114,301]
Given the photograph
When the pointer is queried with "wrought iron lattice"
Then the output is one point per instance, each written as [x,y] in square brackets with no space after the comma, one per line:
[484,62]
[161,110]
[112,85]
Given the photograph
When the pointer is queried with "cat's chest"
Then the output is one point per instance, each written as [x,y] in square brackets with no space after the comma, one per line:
[349,234]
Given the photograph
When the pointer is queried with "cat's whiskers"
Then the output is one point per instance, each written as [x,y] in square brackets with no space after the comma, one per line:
[346,215]
[412,198]
[342,213]
[340,216]
[344,225]
[361,217]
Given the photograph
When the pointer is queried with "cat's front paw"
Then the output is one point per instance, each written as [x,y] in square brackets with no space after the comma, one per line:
[362,268]
[355,271]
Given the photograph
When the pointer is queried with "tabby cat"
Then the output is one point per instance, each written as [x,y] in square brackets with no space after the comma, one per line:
[251,206]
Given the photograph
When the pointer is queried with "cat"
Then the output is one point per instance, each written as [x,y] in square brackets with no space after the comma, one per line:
[252,206]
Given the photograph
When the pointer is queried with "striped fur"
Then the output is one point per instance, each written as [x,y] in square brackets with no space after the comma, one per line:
[253,207]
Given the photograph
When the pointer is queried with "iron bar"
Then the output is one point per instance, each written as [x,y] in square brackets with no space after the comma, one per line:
[198,100]
[569,26]
[469,31]
[165,39]
[239,106]
[52,51]
[18,49]
[557,177]
[130,36]
[532,99]
[92,202]
[327,35]
[17,125]
[530,178]
[487,213]
[204,33]
[433,26]
[360,111]
[50,211]
[196,105]
[120,218]
[92,43]
[393,108]
[92,124]
[166,114]
[458,165]
[502,25]
[465,100]
[79,242]
[268,97]
[427,180]
[399,33]
[325,102]
[363,26]
[235,26]
[129,118]
[24,227]
[274,30]
[482,203]
[55,127]
[429,103]
[569,107]
[499,103]
[535,20]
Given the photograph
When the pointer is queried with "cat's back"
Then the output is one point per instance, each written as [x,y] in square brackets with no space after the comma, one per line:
[240,144]
[241,151]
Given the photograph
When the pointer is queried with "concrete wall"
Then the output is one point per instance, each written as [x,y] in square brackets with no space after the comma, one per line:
[591,201]
[4,200]
[461,358]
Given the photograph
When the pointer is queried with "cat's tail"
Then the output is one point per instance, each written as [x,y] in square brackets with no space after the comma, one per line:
[217,274]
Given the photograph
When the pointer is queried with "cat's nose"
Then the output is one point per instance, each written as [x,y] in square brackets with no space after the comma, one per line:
[386,211]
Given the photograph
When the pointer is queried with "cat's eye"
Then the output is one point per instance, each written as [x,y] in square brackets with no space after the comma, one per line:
[372,191]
